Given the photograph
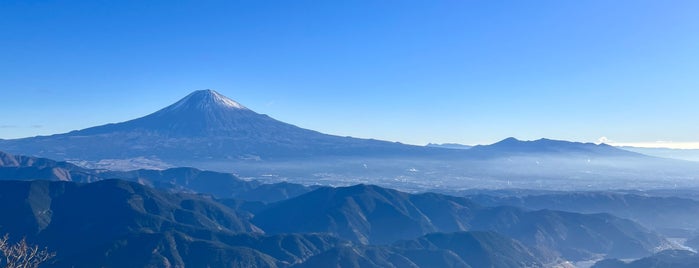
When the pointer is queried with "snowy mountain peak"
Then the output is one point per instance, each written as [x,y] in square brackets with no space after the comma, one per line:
[223,100]
[205,100]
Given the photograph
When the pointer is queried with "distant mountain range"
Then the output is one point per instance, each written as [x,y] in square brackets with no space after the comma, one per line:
[449,146]
[375,215]
[117,223]
[672,216]
[512,146]
[664,259]
[680,154]
[207,130]
[220,185]
[683,154]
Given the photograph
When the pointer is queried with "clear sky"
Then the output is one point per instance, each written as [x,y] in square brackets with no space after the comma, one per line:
[410,71]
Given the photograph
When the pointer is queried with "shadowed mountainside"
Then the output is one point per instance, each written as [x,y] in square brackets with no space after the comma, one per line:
[220,185]
[664,259]
[657,212]
[115,223]
[375,215]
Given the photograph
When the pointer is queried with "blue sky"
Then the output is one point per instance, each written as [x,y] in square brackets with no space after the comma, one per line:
[410,71]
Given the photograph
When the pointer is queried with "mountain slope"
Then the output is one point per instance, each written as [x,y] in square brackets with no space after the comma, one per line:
[70,217]
[575,236]
[116,223]
[513,146]
[683,154]
[220,185]
[668,258]
[203,125]
[366,214]
[371,214]
[659,213]
[477,249]
[461,249]
[18,167]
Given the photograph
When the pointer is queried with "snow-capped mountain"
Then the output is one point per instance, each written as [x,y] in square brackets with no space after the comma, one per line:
[204,125]
[201,114]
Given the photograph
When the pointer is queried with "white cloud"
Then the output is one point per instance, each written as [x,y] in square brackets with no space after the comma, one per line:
[603,140]
[659,144]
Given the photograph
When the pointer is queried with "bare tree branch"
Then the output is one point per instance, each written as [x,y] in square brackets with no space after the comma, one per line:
[22,255]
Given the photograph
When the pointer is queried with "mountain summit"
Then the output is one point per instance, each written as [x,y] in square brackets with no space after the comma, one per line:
[204,100]
[203,113]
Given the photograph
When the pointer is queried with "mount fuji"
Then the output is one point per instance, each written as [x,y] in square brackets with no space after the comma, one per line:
[204,125]
[207,130]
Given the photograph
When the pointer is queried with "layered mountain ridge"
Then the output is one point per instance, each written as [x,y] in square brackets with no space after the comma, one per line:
[182,223]
[217,184]
[100,223]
